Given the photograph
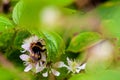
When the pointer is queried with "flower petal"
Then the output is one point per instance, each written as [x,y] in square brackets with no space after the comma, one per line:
[45,74]
[83,66]
[29,67]
[24,57]
[56,73]
[34,38]
[39,68]
[27,42]
[26,63]
[77,70]
[59,64]
[26,46]
[43,54]
[69,61]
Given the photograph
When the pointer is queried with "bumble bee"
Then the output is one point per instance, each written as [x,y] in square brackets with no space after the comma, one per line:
[37,50]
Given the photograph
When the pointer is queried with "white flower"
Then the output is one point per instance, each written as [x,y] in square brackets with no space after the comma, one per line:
[35,47]
[74,66]
[30,64]
[36,59]
[52,70]
[39,66]
[45,74]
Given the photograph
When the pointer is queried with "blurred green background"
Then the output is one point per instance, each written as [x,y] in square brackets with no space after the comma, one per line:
[99,16]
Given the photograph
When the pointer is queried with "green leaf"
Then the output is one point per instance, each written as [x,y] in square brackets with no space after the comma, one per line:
[81,77]
[27,12]
[13,54]
[60,2]
[5,23]
[6,39]
[106,75]
[20,36]
[82,41]
[55,45]
[17,11]
[63,74]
